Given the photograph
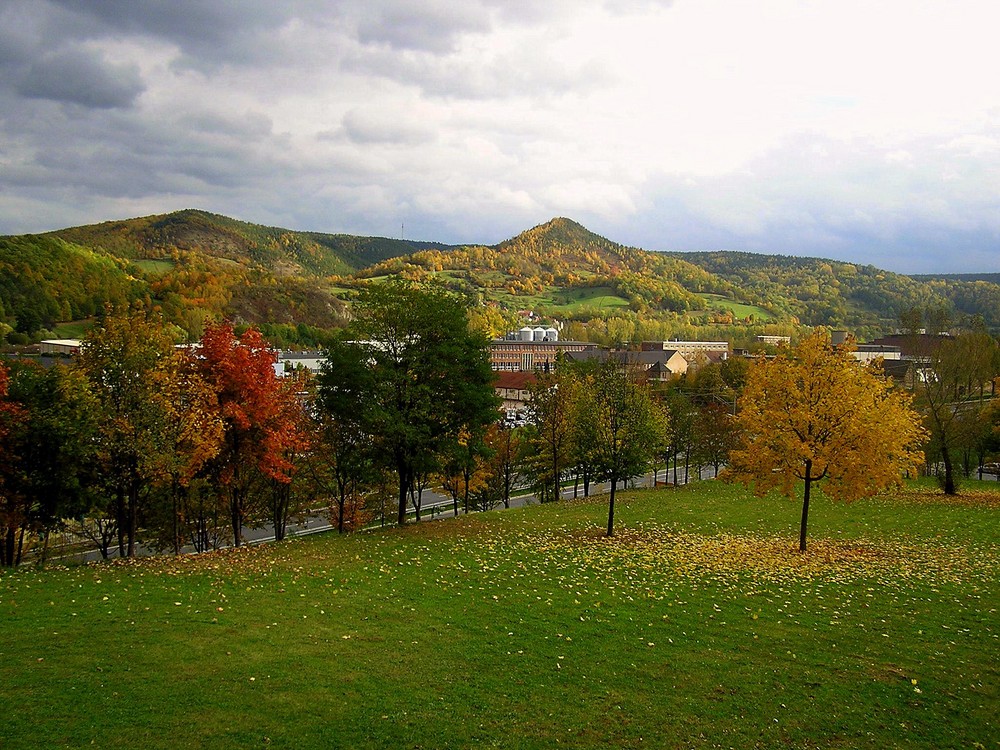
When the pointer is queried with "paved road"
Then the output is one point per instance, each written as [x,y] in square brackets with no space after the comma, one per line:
[435,506]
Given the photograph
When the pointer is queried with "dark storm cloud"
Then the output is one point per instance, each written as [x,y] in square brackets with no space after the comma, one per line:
[82,77]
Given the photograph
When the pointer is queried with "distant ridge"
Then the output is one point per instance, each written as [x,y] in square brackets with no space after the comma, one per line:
[195,266]
[992,278]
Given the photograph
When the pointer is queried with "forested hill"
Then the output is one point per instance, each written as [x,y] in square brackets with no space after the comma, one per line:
[281,251]
[829,292]
[562,255]
[196,266]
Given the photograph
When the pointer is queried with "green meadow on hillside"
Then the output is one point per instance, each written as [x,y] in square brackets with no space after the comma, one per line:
[739,310]
[697,625]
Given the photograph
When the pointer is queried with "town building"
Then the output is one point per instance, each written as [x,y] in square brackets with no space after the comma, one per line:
[658,366]
[513,389]
[60,346]
[507,355]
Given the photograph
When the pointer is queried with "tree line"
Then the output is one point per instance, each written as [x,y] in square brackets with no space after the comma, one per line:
[141,442]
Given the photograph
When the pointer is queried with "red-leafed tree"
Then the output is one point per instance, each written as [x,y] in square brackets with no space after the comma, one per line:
[11,514]
[258,412]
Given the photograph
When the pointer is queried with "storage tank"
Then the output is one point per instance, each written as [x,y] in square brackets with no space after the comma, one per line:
[539,334]
[551,334]
[526,334]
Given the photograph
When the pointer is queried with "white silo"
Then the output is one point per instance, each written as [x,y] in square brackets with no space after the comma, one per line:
[551,334]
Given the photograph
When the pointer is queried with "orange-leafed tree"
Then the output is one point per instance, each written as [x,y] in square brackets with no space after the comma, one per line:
[192,437]
[258,414]
[815,413]
[463,471]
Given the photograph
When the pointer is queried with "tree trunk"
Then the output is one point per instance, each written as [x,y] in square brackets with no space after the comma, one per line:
[949,472]
[8,547]
[20,547]
[805,507]
[133,517]
[404,494]
[175,521]
[611,508]
[45,547]
[121,522]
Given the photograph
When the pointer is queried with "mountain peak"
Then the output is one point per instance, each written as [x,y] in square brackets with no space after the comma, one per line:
[561,232]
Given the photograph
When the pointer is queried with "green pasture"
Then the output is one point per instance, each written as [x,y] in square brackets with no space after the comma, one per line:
[74,329]
[154,267]
[589,298]
[738,309]
[697,625]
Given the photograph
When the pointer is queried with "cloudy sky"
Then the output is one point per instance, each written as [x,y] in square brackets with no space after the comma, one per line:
[854,129]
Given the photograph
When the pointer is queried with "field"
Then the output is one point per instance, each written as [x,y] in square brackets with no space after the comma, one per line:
[154,267]
[738,309]
[697,625]
[75,329]
[588,298]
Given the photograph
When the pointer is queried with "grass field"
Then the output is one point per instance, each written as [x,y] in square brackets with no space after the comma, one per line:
[73,329]
[154,267]
[697,625]
[588,298]
[738,309]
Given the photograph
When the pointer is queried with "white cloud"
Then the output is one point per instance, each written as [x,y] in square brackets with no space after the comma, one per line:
[816,128]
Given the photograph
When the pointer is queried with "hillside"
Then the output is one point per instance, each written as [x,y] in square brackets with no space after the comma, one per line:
[835,293]
[282,251]
[546,264]
[197,266]
[44,280]
[194,266]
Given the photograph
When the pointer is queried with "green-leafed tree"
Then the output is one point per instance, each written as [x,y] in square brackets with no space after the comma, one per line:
[430,376]
[48,429]
[125,360]
[626,424]
[950,390]
[341,464]
[553,408]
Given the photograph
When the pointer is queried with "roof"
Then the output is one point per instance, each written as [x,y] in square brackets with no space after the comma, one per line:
[514,380]
[639,358]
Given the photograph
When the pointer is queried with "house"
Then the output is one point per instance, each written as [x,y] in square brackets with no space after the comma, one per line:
[658,366]
[688,349]
[513,389]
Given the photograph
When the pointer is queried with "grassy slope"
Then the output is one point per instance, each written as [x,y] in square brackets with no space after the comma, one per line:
[698,626]
[738,309]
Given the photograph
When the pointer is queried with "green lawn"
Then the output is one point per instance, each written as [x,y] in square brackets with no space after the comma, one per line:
[697,625]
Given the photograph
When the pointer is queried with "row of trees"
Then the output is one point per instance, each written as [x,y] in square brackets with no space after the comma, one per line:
[139,433]
[190,445]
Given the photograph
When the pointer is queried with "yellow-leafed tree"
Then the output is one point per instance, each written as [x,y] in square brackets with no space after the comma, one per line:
[814,413]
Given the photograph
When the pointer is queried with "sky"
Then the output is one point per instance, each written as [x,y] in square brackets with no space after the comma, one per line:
[847,129]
